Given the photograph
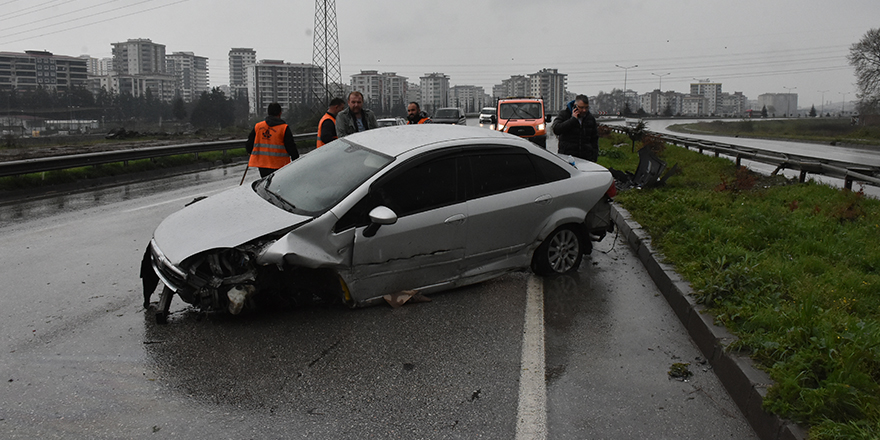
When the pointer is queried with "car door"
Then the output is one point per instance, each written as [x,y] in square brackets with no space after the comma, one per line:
[425,246]
[507,207]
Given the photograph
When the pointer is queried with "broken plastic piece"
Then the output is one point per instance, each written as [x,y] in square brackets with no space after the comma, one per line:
[237,296]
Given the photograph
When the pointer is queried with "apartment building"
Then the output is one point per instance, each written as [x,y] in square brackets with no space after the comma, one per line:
[239,59]
[191,72]
[288,84]
[469,98]
[434,91]
[33,69]
[549,85]
[712,92]
[138,57]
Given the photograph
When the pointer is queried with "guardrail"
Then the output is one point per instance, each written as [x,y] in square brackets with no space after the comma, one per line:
[849,172]
[41,164]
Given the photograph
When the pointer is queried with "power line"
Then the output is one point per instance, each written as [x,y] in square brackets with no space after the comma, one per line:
[67,13]
[27,8]
[95,22]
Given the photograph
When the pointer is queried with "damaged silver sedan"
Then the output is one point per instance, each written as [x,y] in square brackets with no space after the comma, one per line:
[409,208]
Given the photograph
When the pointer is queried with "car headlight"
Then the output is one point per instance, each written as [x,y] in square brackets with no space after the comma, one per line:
[500,128]
[540,127]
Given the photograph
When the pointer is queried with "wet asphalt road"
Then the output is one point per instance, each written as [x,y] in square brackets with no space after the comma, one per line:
[81,359]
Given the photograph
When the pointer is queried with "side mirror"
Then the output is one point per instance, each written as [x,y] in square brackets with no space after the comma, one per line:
[379,216]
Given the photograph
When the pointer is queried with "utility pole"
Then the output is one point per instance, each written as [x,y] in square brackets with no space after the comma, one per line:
[843,104]
[325,51]
[823,101]
[661,75]
[625,70]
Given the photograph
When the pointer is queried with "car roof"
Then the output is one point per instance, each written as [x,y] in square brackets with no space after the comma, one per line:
[396,140]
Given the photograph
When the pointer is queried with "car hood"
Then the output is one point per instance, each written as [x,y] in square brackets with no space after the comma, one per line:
[224,220]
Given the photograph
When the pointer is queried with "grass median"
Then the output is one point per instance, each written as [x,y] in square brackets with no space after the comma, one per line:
[792,269]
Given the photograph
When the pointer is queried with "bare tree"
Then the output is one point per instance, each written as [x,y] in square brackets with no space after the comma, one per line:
[864,56]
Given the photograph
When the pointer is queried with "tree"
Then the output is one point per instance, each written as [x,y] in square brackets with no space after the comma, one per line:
[213,110]
[178,108]
[864,56]
[813,111]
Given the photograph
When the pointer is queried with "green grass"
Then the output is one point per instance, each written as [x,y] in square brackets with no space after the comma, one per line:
[792,269]
[808,129]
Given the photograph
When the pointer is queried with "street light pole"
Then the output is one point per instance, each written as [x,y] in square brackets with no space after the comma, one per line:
[788,98]
[823,100]
[625,71]
[661,75]
[843,104]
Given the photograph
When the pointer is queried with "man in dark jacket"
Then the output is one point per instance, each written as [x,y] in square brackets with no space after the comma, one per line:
[271,143]
[577,130]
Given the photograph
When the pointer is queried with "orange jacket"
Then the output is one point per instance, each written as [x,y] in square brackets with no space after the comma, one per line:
[269,150]
[327,116]
[421,121]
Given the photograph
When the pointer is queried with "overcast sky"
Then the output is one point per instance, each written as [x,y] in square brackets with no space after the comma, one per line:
[750,46]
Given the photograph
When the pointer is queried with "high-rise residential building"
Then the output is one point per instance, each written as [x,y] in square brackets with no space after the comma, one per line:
[516,85]
[191,72]
[98,66]
[734,104]
[382,91]
[778,104]
[468,98]
[33,69]
[549,85]
[239,59]
[435,91]
[285,83]
[712,92]
[138,57]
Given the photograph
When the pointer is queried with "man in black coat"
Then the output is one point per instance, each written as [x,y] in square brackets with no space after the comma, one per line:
[577,130]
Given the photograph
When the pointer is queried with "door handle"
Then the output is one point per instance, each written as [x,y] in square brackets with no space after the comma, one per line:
[544,199]
[456,219]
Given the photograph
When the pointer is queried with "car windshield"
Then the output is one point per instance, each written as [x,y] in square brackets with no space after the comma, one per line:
[446,113]
[320,179]
[488,111]
[521,110]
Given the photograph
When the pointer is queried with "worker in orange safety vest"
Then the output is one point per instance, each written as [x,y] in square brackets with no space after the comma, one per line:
[415,115]
[327,124]
[271,143]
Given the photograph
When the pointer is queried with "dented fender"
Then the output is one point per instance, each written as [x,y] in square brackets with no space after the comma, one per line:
[311,246]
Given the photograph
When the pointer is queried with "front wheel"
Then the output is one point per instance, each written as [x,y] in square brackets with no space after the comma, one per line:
[560,253]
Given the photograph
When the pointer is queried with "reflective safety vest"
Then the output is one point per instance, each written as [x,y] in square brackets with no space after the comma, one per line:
[269,151]
[421,121]
[320,123]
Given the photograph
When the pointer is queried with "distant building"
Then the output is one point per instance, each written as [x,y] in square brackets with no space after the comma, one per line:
[369,83]
[516,85]
[549,84]
[469,98]
[778,104]
[191,72]
[694,105]
[98,66]
[285,83]
[734,104]
[138,57]
[32,69]
[435,91]
[239,59]
[712,92]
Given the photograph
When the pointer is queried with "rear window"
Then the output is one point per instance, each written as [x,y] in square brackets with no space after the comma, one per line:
[446,113]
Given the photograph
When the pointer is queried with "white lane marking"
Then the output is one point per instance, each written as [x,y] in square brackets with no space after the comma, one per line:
[532,409]
[172,201]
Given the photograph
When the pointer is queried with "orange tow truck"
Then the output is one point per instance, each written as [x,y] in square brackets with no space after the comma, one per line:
[523,117]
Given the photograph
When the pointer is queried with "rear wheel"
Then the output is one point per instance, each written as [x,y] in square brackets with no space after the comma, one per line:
[560,253]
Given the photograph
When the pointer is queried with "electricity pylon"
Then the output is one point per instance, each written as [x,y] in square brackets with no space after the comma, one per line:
[325,52]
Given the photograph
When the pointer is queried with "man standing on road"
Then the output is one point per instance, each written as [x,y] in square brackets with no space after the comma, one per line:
[355,118]
[271,143]
[415,115]
[327,125]
[577,130]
